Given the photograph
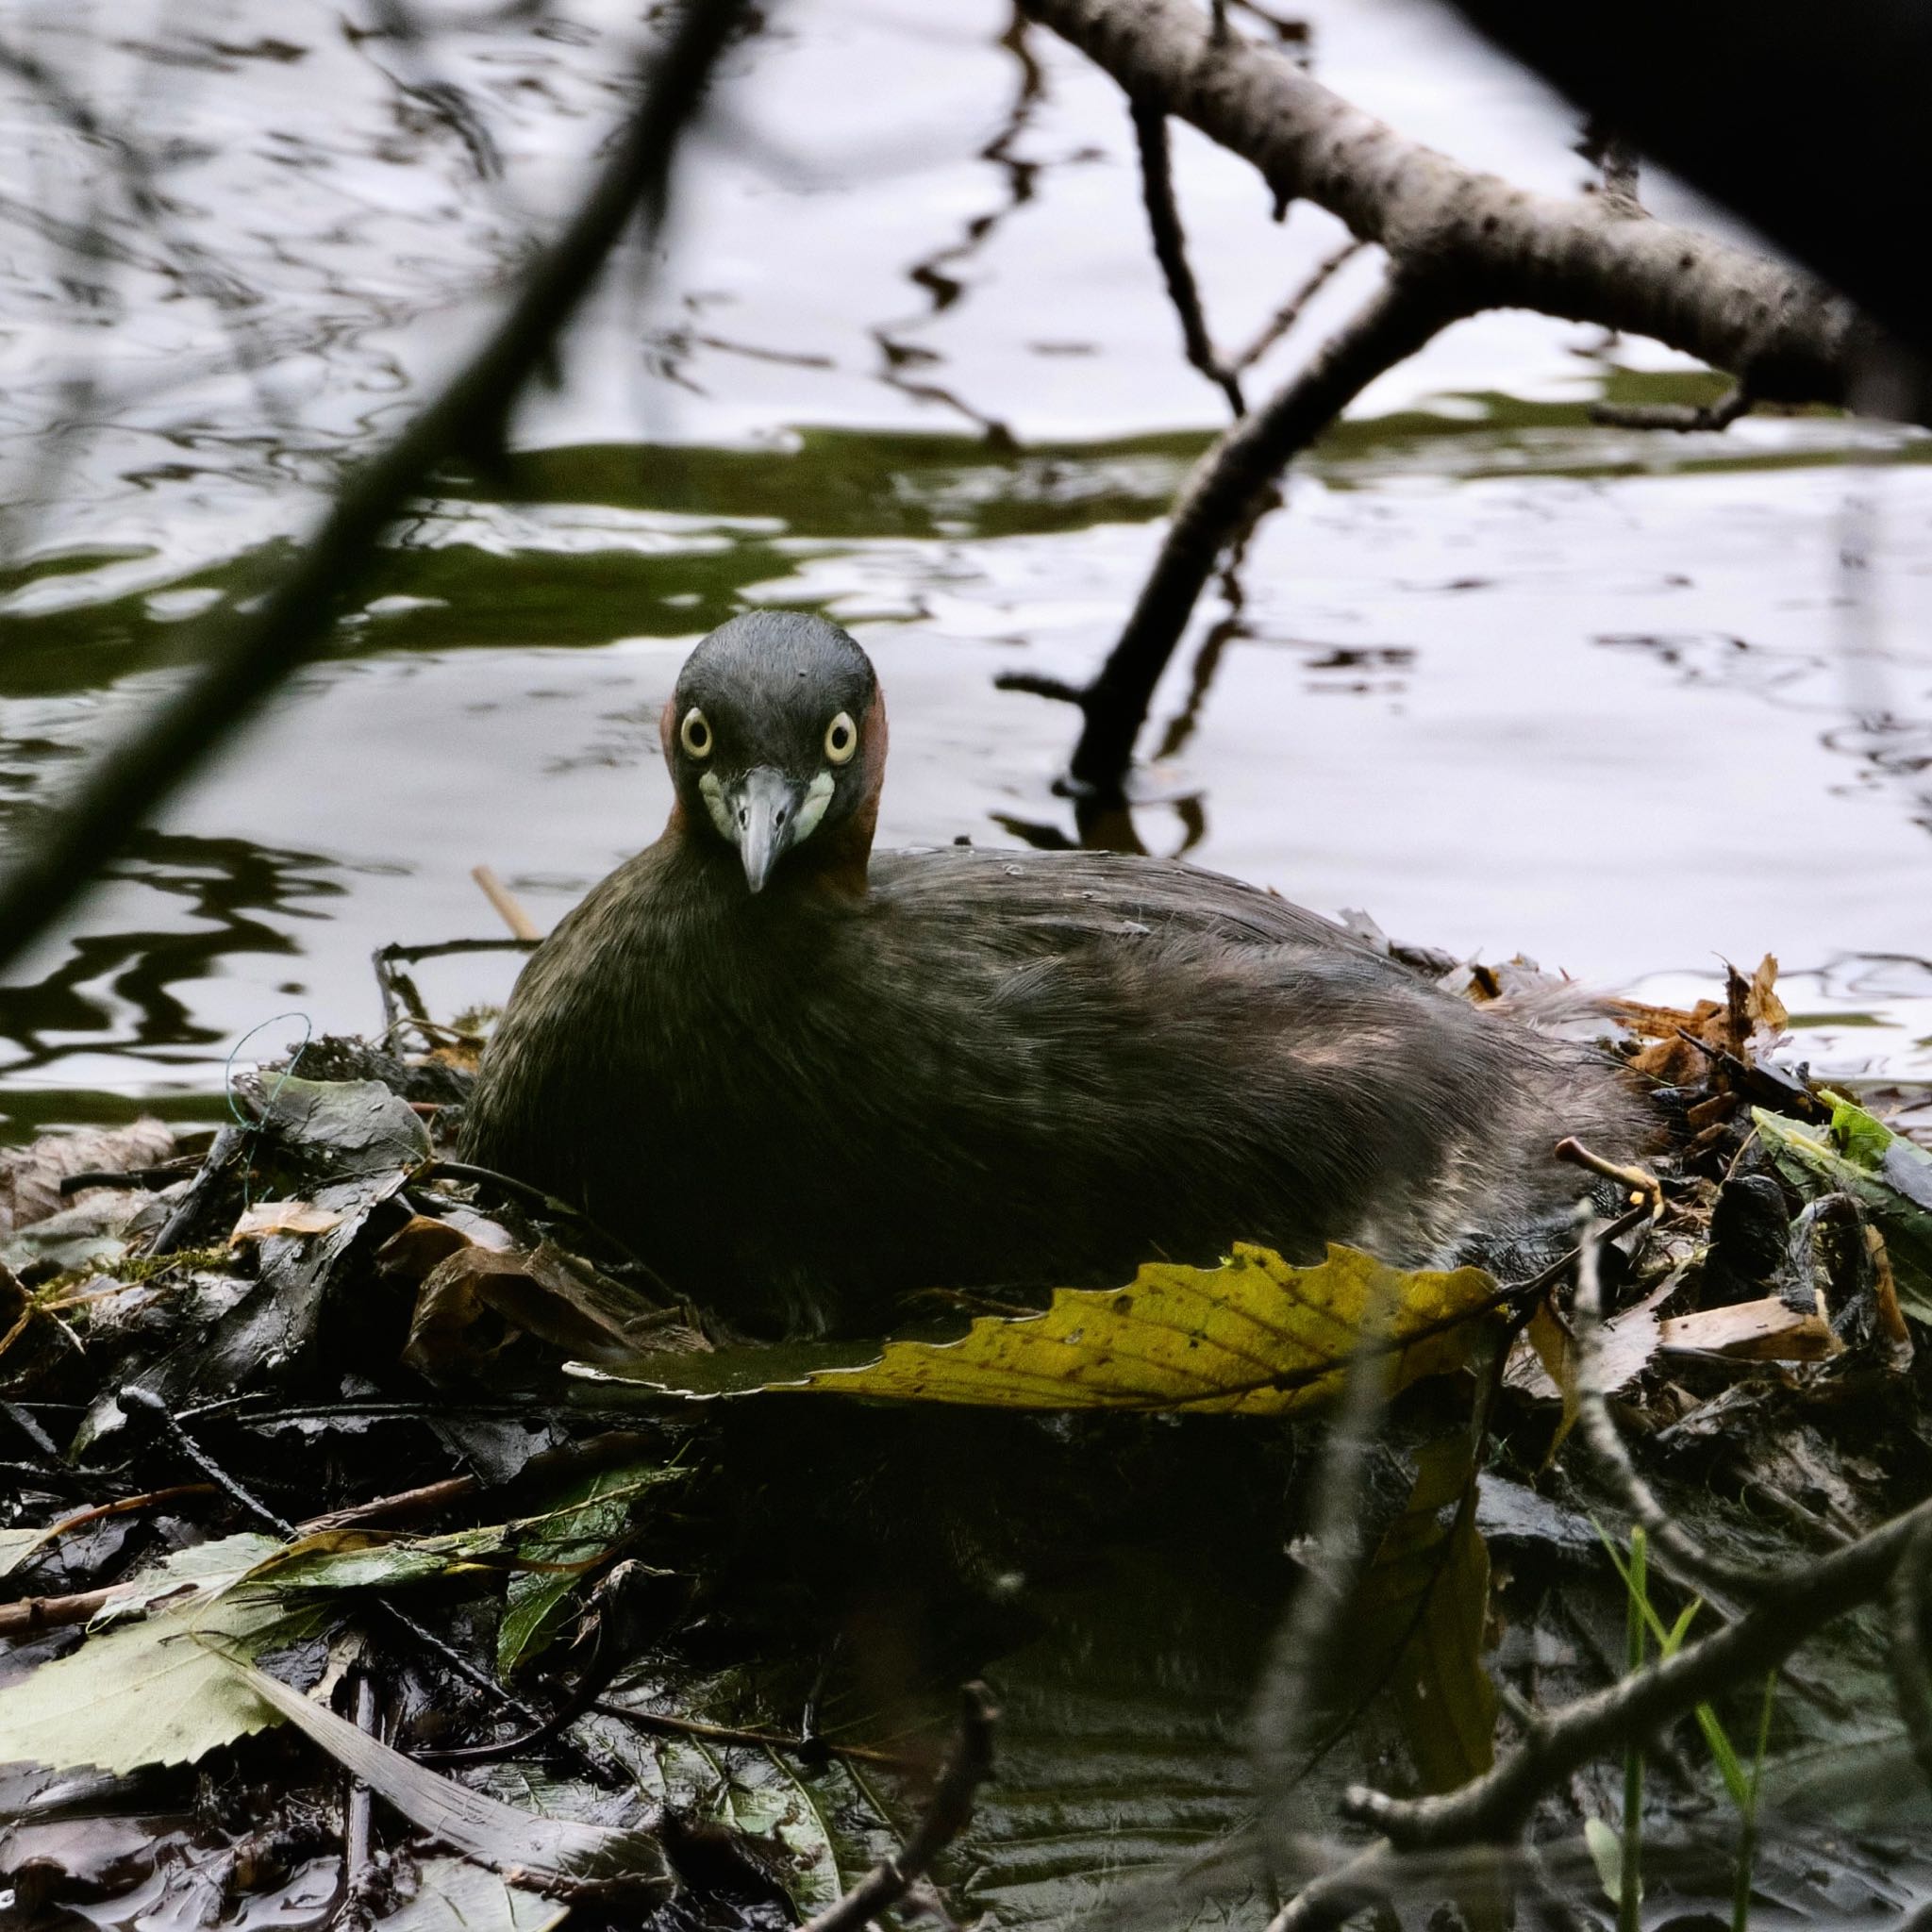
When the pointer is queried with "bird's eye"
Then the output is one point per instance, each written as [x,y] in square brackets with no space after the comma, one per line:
[841,738]
[694,734]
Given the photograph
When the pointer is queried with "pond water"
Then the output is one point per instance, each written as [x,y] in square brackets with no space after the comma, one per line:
[1627,703]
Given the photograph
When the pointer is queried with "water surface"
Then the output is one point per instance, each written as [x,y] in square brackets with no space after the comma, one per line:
[1505,680]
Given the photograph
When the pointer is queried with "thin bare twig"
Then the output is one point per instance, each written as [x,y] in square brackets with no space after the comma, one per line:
[1171,248]
[1495,1805]
[1303,1645]
[1292,309]
[1600,1431]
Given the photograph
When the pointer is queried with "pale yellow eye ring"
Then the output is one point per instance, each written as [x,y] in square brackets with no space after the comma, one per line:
[694,734]
[841,738]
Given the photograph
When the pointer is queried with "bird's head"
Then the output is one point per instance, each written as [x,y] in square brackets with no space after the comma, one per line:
[776,736]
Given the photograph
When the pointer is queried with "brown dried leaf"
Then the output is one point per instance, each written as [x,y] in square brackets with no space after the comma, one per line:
[284,1217]
[1769,1330]
[30,1176]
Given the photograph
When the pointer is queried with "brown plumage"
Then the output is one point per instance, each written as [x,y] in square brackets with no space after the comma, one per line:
[803,1078]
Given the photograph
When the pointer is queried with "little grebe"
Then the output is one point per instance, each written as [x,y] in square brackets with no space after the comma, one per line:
[803,1078]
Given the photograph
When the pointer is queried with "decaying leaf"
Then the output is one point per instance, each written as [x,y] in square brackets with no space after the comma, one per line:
[284,1217]
[1889,1176]
[1770,1330]
[1420,1616]
[541,1292]
[1254,1337]
[1748,1021]
[30,1177]
[453,1895]
[552,1855]
[333,1129]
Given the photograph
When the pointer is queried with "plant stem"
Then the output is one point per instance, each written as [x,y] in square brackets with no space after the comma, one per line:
[1630,1898]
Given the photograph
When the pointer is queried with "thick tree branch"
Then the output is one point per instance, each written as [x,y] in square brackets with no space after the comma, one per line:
[1218,502]
[1473,242]
[1493,244]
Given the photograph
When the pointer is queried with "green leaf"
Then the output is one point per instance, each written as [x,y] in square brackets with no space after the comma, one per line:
[156,1692]
[453,1895]
[1252,1336]
[592,1518]
[1897,1193]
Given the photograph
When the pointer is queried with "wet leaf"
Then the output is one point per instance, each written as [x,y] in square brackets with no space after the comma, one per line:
[1894,1191]
[554,1855]
[334,1129]
[453,1895]
[1419,1618]
[590,1521]
[284,1217]
[1254,1337]
[158,1691]
[30,1177]
[543,1291]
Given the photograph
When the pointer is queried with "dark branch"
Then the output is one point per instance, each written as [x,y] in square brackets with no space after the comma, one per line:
[1495,1805]
[1217,506]
[250,654]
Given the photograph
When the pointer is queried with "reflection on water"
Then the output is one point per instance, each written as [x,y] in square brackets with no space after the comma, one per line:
[1507,680]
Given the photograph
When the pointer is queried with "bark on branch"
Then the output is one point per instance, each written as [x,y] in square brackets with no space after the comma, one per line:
[1780,330]
[1458,242]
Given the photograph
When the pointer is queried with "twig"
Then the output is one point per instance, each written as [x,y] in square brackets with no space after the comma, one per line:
[57,1612]
[1170,246]
[968,1767]
[355,1838]
[512,914]
[1292,309]
[1644,1186]
[1496,1805]
[1216,505]
[148,1402]
[249,652]
[1682,417]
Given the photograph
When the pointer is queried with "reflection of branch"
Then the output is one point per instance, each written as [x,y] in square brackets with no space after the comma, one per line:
[946,1816]
[1679,416]
[252,653]
[1291,310]
[1215,507]
[1171,247]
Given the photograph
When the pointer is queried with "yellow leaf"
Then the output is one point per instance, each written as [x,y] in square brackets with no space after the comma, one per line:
[1252,1336]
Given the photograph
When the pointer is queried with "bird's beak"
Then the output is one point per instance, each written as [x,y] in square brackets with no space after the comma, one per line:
[764,807]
